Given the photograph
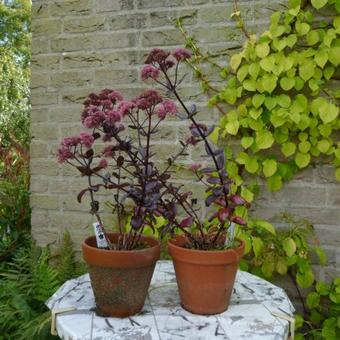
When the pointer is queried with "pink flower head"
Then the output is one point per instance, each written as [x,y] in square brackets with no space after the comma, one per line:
[70,141]
[111,95]
[195,166]
[108,151]
[113,116]
[103,163]
[148,99]
[157,55]
[181,54]
[125,107]
[166,107]
[149,71]
[92,117]
[63,154]
[169,62]
[86,139]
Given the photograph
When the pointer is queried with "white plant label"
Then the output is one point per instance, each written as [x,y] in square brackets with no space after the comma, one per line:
[100,237]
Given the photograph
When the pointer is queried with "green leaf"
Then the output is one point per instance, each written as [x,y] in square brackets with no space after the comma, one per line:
[321,58]
[306,279]
[251,165]
[253,113]
[257,245]
[319,3]
[283,100]
[242,73]
[258,99]
[235,61]
[246,142]
[289,246]
[287,83]
[262,50]
[291,40]
[269,167]
[265,225]
[323,145]
[269,82]
[302,28]
[249,85]
[322,257]
[268,267]
[302,159]
[274,183]
[232,127]
[328,112]
[267,64]
[328,72]
[229,95]
[254,70]
[281,266]
[334,55]
[322,288]
[306,70]
[215,134]
[313,300]
[264,139]
[270,102]
[304,147]
[288,149]
[312,37]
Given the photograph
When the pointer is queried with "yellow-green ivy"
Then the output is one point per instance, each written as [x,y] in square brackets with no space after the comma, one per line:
[285,104]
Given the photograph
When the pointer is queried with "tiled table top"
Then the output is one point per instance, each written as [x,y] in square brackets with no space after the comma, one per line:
[249,315]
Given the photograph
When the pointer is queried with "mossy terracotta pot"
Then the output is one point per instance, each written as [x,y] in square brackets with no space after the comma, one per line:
[205,278]
[120,279]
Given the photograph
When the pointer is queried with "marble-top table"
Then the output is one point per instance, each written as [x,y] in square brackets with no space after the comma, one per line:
[250,314]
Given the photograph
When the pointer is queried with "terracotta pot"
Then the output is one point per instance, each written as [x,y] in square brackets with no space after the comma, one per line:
[205,279]
[120,279]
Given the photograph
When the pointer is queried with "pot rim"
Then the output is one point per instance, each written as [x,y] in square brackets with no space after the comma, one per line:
[121,258]
[123,252]
[208,252]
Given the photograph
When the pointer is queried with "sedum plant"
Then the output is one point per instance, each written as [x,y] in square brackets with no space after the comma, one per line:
[226,204]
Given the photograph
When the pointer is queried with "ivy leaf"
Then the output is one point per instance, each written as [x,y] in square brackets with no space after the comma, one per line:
[242,73]
[312,37]
[270,102]
[253,113]
[251,165]
[328,112]
[264,139]
[232,127]
[304,146]
[258,99]
[274,183]
[267,64]
[269,167]
[306,70]
[283,100]
[215,135]
[291,40]
[306,279]
[254,70]
[269,82]
[328,72]
[334,55]
[302,159]
[235,61]
[289,246]
[287,83]
[313,300]
[249,85]
[262,50]
[321,58]
[246,142]
[302,28]
[319,3]
[323,145]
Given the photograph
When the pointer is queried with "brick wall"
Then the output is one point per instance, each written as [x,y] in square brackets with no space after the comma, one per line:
[82,46]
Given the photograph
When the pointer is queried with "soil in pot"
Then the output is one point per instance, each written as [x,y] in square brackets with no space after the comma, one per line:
[120,279]
[205,278]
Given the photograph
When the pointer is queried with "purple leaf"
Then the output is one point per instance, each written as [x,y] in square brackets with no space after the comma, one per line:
[187,222]
[210,199]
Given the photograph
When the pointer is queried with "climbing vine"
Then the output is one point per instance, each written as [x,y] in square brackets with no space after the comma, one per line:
[281,86]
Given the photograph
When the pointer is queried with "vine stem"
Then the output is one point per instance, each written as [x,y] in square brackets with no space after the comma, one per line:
[291,275]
